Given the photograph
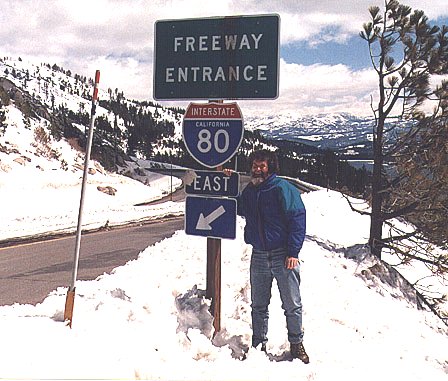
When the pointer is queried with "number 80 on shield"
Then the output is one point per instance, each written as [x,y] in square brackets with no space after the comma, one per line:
[209,135]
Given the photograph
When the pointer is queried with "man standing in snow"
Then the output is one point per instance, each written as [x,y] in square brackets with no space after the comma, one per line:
[275,227]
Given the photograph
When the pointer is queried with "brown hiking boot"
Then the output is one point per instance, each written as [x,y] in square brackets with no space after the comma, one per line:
[298,352]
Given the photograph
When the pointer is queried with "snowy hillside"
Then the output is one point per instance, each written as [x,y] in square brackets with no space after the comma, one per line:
[40,183]
[148,319]
[316,128]
[54,86]
[57,95]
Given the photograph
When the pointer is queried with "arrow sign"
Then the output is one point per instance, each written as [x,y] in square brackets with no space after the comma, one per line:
[210,217]
[204,222]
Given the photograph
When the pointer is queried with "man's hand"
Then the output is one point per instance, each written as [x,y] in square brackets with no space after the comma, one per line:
[228,171]
[291,262]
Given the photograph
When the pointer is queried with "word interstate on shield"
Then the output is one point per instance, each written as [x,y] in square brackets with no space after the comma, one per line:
[216,43]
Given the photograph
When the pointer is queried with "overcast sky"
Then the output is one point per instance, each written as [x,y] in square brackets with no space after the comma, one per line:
[324,65]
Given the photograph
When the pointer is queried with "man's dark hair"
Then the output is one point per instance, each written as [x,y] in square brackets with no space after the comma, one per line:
[268,156]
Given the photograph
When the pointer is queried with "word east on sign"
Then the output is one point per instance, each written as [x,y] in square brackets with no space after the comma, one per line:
[211,183]
[212,132]
[217,58]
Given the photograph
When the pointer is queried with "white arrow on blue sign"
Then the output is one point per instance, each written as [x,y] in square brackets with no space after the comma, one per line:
[212,132]
[210,217]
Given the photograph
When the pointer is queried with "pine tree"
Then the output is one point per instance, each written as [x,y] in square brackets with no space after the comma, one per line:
[2,120]
[421,191]
[398,33]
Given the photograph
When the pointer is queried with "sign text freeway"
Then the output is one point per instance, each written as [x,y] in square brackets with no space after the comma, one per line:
[217,58]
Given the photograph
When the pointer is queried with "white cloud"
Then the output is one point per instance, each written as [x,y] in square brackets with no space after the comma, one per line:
[117,37]
[303,20]
[319,89]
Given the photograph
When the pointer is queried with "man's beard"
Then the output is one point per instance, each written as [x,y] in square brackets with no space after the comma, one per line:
[258,178]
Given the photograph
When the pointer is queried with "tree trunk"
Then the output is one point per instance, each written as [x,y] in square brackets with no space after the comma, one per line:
[376,219]
[376,222]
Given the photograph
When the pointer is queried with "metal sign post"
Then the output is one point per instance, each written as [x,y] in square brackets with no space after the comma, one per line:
[213,280]
[70,300]
[213,290]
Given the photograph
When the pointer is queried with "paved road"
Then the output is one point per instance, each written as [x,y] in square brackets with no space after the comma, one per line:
[29,272]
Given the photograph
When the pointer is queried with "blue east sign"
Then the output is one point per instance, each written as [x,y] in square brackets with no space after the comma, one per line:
[213,183]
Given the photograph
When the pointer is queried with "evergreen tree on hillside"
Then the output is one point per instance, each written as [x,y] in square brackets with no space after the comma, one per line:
[4,101]
[405,51]
[422,187]
[2,120]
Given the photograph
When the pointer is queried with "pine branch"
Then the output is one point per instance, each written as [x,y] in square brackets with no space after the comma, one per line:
[362,212]
[406,254]
[401,212]
[404,141]
[399,237]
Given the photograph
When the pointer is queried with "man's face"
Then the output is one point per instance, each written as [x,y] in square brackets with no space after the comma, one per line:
[260,170]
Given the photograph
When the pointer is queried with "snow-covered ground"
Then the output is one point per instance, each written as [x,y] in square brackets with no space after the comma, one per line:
[149,320]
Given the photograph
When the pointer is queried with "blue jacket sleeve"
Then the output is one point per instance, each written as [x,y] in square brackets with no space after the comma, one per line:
[295,215]
[297,224]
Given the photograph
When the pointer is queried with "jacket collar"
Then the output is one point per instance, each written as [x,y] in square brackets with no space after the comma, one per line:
[268,182]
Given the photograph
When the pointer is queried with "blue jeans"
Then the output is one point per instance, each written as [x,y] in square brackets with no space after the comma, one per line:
[264,267]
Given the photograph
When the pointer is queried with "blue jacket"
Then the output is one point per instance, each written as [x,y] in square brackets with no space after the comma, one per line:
[275,215]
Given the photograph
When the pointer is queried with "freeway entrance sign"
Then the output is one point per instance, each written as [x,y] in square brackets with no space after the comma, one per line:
[217,58]
[213,183]
[212,132]
[210,217]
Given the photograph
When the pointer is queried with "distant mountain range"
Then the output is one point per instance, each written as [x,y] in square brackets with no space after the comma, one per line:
[348,135]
